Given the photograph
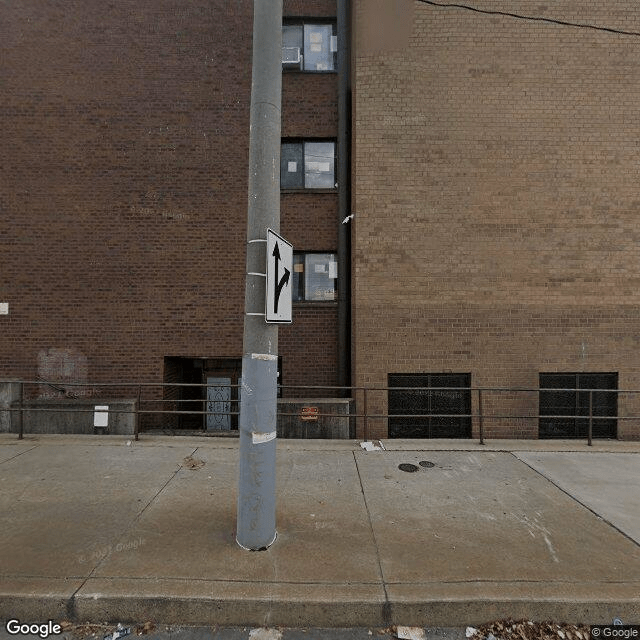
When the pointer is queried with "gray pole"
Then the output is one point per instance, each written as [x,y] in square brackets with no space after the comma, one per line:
[256,526]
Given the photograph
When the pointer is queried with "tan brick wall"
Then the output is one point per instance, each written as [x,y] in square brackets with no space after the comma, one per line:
[496,200]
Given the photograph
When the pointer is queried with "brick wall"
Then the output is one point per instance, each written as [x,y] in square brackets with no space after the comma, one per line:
[309,105]
[309,220]
[313,337]
[309,8]
[495,191]
[123,190]
[121,184]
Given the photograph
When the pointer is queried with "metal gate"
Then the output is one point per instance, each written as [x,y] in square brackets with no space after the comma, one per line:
[218,404]
[421,396]
[571,400]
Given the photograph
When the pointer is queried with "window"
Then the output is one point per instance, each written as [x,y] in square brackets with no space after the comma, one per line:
[435,399]
[314,276]
[570,401]
[309,47]
[307,165]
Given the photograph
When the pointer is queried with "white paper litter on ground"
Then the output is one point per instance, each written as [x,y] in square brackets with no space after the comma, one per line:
[265,634]
[410,633]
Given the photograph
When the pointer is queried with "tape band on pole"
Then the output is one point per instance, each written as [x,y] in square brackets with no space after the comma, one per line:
[261,438]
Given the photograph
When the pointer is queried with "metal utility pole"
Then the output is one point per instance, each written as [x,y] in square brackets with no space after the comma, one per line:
[256,526]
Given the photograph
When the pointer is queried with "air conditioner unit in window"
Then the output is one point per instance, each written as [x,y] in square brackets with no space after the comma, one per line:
[291,55]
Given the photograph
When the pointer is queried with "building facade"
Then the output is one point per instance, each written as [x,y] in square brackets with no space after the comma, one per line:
[458,182]
[124,194]
[497,217]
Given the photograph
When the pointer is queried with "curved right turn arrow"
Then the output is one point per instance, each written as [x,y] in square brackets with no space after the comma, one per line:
[283,281]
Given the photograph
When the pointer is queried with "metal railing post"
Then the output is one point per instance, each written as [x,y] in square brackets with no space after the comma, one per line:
[21,432]
[589,442]
[366,416]
[480,416]
[137,424]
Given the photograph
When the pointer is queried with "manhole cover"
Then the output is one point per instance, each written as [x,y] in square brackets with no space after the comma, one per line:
[426,463]
[408,467]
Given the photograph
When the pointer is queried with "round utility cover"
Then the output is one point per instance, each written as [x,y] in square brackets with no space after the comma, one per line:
[408,467]
[426,463]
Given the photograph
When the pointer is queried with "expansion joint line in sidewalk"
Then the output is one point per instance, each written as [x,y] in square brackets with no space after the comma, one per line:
[582,504]
[386,607]
[19,454]
[72,599]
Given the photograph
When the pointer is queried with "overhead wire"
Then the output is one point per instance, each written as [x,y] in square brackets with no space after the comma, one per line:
[509,14]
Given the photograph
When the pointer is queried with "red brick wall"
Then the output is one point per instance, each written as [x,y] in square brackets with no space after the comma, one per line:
[123,194]
[313,337]
[309,8]
[124,180]
[309,104]
[309,220]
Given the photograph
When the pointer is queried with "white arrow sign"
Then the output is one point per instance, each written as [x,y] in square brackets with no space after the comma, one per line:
[279,278]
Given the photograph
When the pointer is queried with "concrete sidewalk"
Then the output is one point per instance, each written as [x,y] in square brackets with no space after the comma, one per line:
[101,528]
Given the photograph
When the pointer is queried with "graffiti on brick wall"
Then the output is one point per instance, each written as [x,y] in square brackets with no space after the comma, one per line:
[62,365]
[167,214]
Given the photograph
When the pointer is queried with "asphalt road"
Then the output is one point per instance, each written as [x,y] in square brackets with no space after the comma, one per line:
[241,633]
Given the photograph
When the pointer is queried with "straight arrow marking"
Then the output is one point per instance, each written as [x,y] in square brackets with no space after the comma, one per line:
[283,281]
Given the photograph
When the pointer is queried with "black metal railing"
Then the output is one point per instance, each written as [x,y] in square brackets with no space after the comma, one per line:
[369,404]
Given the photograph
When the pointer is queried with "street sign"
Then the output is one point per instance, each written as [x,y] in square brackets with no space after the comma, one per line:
[279,278]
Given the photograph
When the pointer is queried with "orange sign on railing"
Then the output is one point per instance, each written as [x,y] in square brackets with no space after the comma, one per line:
[309,413]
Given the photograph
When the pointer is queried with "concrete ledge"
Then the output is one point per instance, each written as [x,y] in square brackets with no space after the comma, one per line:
[37,599]
[612,446]
[474,603]
[74,416]
[301,444]
[9,393]
[204,602]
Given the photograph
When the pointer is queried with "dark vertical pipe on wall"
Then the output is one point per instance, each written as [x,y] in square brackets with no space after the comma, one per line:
[344,195]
